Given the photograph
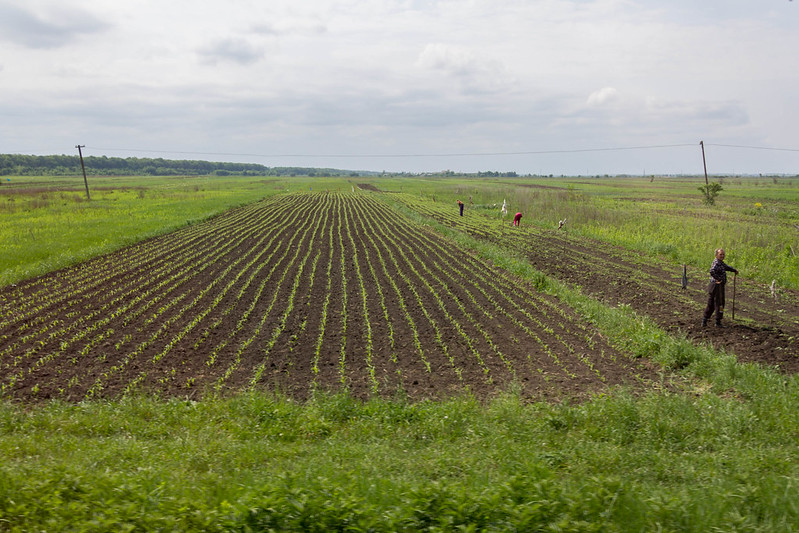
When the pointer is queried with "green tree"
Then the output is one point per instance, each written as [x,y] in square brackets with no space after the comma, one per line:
[710,191]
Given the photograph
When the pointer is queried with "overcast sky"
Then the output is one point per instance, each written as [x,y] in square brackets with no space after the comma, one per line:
[533,86]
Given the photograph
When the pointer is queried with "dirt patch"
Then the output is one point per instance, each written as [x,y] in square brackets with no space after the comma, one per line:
[537,186]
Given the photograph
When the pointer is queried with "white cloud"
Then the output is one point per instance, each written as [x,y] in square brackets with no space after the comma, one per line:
[603,96]
[289,27]
[453,60]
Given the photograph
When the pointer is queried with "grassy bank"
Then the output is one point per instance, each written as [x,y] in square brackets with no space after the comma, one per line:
[667,462]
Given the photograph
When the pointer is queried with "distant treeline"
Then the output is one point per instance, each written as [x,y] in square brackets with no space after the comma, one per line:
[69,165]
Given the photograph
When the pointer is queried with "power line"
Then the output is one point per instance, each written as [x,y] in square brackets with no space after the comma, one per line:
[754,147]
[360,156]
[451,154]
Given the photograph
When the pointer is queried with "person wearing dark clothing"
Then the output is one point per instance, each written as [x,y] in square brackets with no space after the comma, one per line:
[716,288]
[460,204]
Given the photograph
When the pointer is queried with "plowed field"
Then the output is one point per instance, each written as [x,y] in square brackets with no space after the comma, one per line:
[765,328]
[296,293]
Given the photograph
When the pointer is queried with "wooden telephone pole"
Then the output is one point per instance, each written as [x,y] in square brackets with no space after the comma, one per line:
[704,163]
[83,167]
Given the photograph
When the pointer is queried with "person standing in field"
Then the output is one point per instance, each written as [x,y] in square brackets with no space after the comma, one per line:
[460,205]
[716,288]
[517,219]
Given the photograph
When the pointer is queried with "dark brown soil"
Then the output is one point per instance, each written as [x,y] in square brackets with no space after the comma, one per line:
[295,294]
[764,330]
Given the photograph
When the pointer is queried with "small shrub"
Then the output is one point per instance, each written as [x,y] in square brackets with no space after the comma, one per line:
[710,191]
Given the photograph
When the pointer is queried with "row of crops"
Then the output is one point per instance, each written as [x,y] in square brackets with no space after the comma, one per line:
[569,258]
[767,322]
[293,293]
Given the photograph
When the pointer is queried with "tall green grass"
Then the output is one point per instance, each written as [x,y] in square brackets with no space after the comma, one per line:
[660,462]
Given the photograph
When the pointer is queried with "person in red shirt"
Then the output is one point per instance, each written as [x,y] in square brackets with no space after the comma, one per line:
[460,204]
[517,219]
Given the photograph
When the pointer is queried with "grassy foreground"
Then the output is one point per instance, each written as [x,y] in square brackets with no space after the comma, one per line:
[719,452]
[664,462]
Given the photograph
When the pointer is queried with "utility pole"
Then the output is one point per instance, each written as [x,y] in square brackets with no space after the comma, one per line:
[83,167]
[702,144]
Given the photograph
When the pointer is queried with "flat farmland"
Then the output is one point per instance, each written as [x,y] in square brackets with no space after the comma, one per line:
[296,293]
[760,326]
[310,323]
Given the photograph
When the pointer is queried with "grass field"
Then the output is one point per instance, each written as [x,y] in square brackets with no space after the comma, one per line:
[713,448]
[755,219]
[47,223]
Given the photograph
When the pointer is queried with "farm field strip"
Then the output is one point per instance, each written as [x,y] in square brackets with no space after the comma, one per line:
[298,292]
[95,275]
[200,301]
[409,276]
[343,295]
[86,277]
[363,291]
[396,327]
[328,291]
[766,331]
[560,331]
[155,283]
[443,293]
[287,263]
[456,321]
[133,296]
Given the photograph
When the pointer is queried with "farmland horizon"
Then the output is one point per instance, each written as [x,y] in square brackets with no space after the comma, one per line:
[614,228]
[53,164]
[243,352]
